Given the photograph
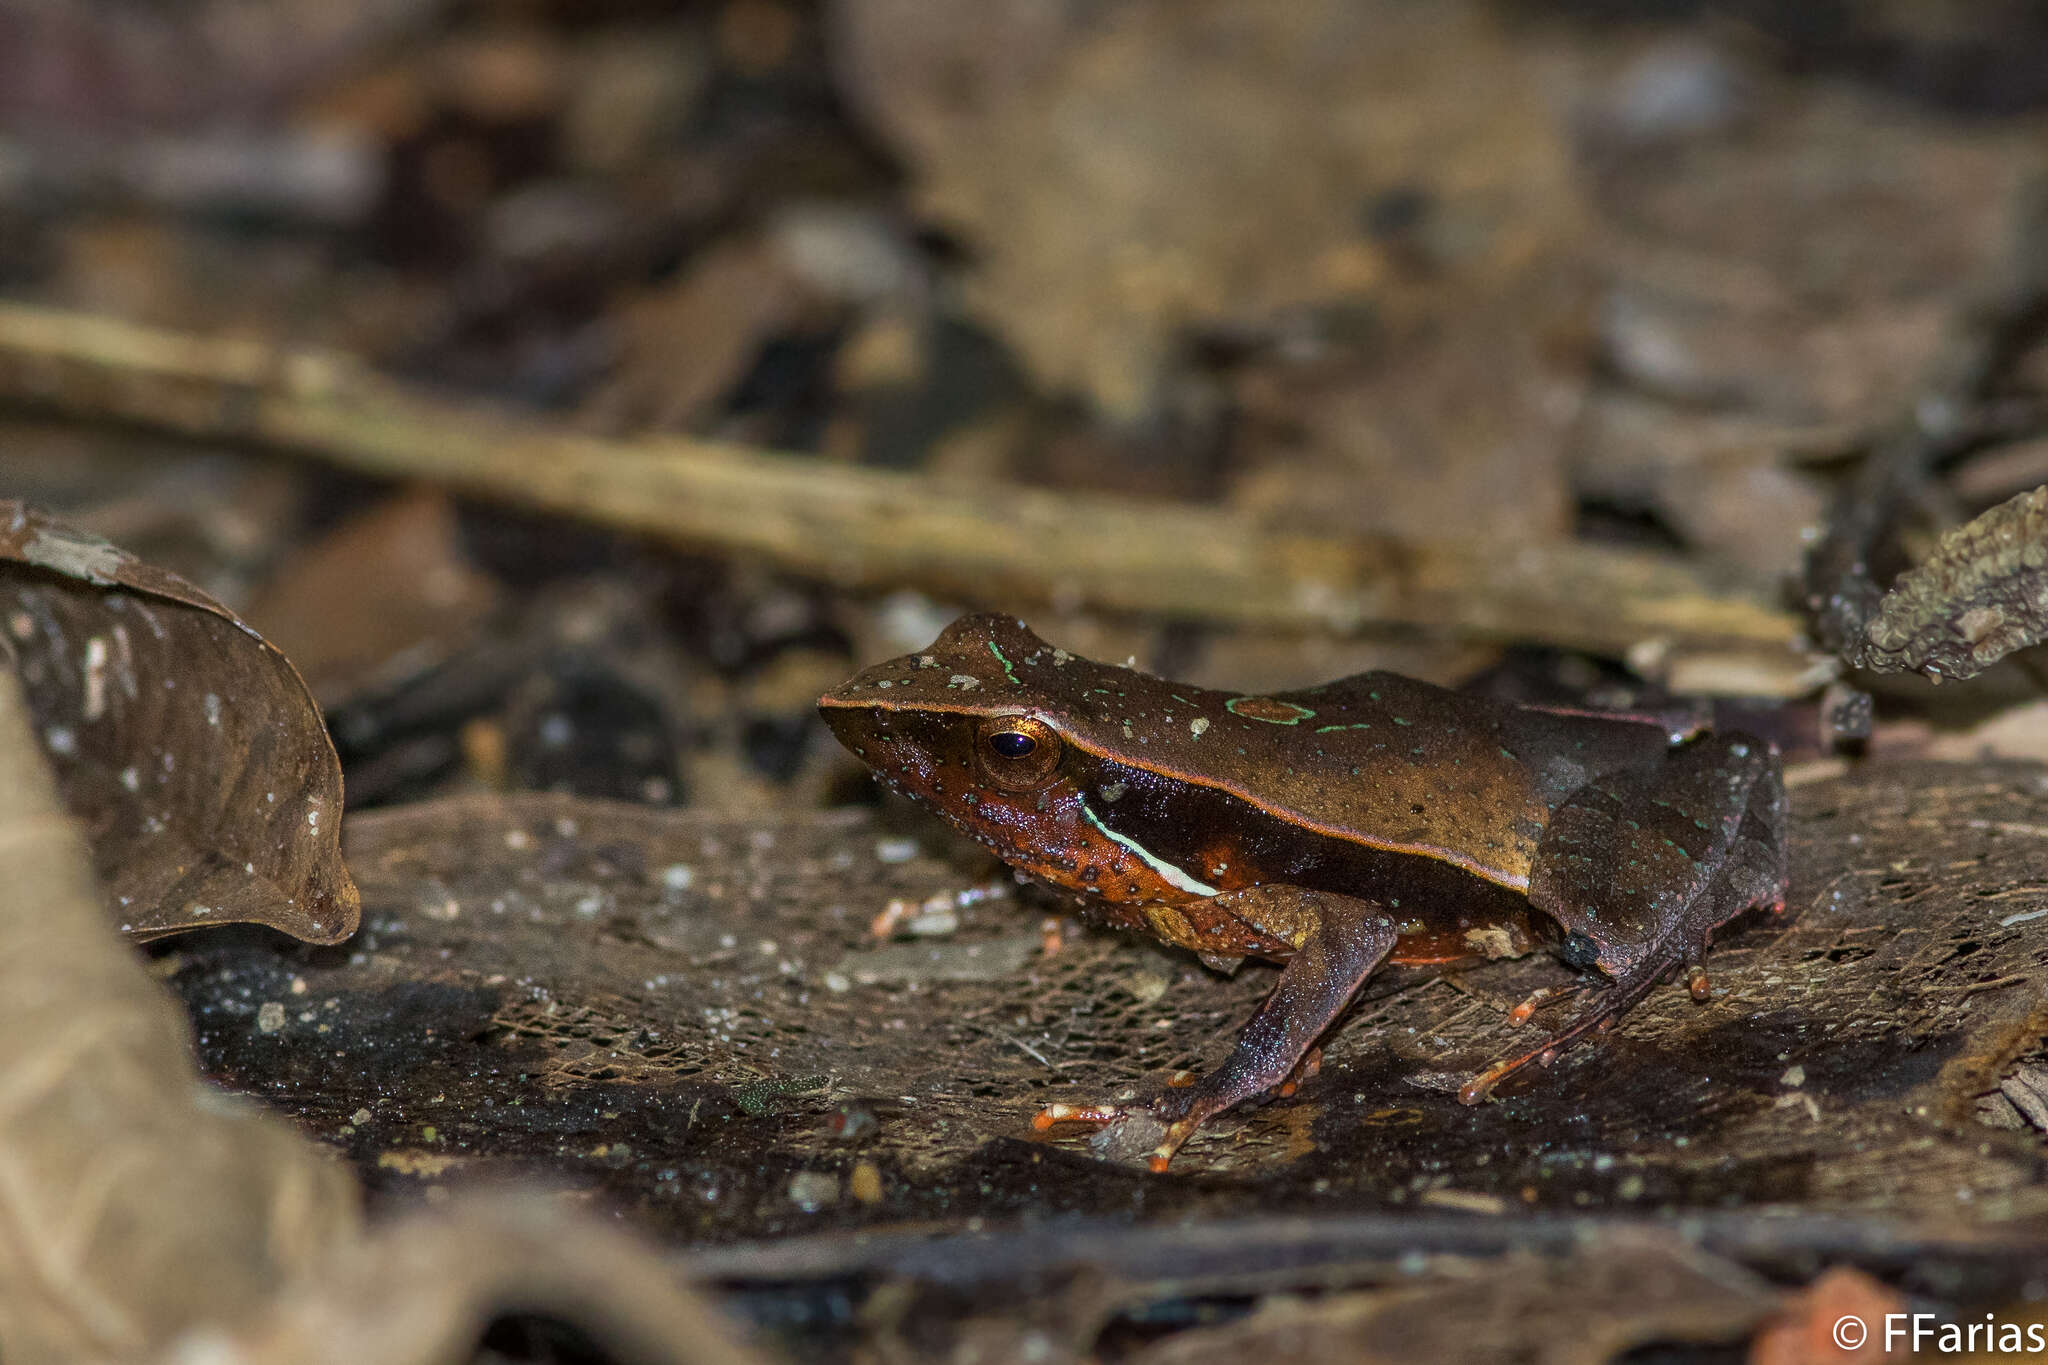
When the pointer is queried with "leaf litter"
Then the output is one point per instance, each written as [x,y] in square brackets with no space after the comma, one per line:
[185,743]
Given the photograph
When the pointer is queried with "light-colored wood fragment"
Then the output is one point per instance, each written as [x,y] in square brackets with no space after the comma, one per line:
[994,545]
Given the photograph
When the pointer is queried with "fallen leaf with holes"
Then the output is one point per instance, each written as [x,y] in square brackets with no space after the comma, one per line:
[185,743]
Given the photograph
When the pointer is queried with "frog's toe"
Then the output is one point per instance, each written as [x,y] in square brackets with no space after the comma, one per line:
[1307,1069]
[1170,1120]
[1598,1017]
[1537,999]
[1177,1133]
[1077,1113]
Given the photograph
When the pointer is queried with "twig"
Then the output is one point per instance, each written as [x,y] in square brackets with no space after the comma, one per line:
[992,544]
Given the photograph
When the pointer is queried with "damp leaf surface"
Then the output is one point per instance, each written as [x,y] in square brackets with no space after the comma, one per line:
[185,742]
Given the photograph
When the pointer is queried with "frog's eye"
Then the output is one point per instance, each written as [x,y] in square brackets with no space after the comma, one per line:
[1017,752]
[1012,743]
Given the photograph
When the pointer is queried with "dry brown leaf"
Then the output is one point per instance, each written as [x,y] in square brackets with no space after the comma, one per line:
[688,342]
[422,1290]
[132,1203]
[1806,270]
[385,592]
[1455,426]
[1982,594]
[185,743]
[1124,174]
[1629,1291]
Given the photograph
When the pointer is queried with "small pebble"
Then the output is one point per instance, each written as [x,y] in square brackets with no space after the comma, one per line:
[895,850]
[813,1190]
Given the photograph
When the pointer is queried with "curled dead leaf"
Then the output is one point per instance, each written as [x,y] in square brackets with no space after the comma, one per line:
[1981,595]
[185,743]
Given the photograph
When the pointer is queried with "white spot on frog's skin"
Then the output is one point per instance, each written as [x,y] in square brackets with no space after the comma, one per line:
[1174,877]
[1114,792]
[59,740]
[131,779]
[1060,658]
[1198,725]
[964,681]
[213,709]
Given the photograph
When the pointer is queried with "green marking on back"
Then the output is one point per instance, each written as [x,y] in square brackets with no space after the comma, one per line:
[1271,710]
[1008,671]
[1355,725]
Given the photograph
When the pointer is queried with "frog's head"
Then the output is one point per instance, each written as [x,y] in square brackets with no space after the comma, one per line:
[983,728]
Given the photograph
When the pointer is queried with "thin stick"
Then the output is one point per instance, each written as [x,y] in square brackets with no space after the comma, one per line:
[863,528]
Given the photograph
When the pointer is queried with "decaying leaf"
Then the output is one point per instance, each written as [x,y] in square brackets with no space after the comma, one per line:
[385,595]
[422,1289]
[1119,169]
[1982,594]
[134,1205]
[186,743]
[1632,1290]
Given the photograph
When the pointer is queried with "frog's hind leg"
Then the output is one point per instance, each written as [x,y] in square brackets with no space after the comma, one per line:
[1604,1009]
[1640,867]
[1338,941]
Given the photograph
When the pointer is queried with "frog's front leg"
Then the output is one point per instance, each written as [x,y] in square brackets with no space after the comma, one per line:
[1337,940]
[1639,868]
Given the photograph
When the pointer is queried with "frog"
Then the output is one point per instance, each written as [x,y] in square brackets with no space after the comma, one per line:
[1332,830]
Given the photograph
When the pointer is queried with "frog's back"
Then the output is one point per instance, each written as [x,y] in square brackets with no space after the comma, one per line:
[1376,759]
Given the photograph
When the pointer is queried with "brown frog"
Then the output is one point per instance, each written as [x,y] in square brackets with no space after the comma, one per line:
[1367,820]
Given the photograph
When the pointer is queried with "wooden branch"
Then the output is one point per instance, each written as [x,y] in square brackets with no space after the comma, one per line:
[996,545]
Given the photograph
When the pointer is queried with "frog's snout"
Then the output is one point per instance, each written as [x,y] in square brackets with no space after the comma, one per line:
[854,724]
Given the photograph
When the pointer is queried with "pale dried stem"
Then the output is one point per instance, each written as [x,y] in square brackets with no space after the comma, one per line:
[994,545]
